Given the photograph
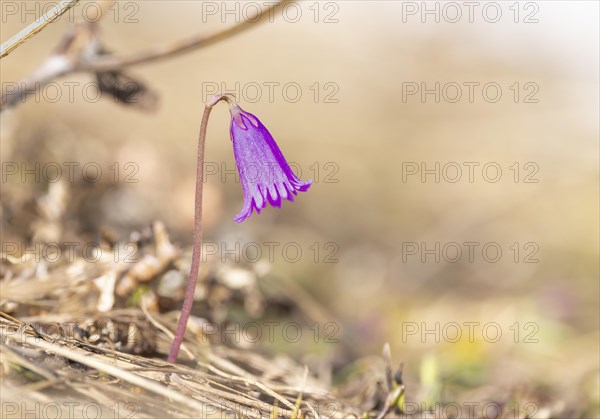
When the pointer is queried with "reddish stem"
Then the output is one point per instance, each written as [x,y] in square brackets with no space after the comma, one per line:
[188,299]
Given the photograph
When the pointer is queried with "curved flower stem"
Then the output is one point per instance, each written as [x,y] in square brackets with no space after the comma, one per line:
[188,299]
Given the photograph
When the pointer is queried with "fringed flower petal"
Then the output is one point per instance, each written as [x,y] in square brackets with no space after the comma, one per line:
[265,174]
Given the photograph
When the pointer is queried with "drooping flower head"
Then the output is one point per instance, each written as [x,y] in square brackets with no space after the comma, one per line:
[265,175]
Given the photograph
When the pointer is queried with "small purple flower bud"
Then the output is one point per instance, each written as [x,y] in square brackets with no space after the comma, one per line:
[265,175]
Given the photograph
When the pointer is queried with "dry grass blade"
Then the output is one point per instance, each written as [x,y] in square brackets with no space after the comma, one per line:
[114,371]
[220,383]
[31,30]
[162,328]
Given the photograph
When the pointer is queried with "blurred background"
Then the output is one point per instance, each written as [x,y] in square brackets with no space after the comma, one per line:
[454,154]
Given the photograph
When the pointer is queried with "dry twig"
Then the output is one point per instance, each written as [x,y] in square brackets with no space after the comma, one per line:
[36,27]
[81,51]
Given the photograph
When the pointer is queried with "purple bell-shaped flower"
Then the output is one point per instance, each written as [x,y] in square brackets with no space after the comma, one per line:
[265,175]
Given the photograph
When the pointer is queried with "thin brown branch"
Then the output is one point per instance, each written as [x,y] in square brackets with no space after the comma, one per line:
[112,62]
[36,27]
[52,68]
[90,58]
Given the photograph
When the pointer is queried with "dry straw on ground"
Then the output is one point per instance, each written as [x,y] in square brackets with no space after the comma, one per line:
[88,333]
